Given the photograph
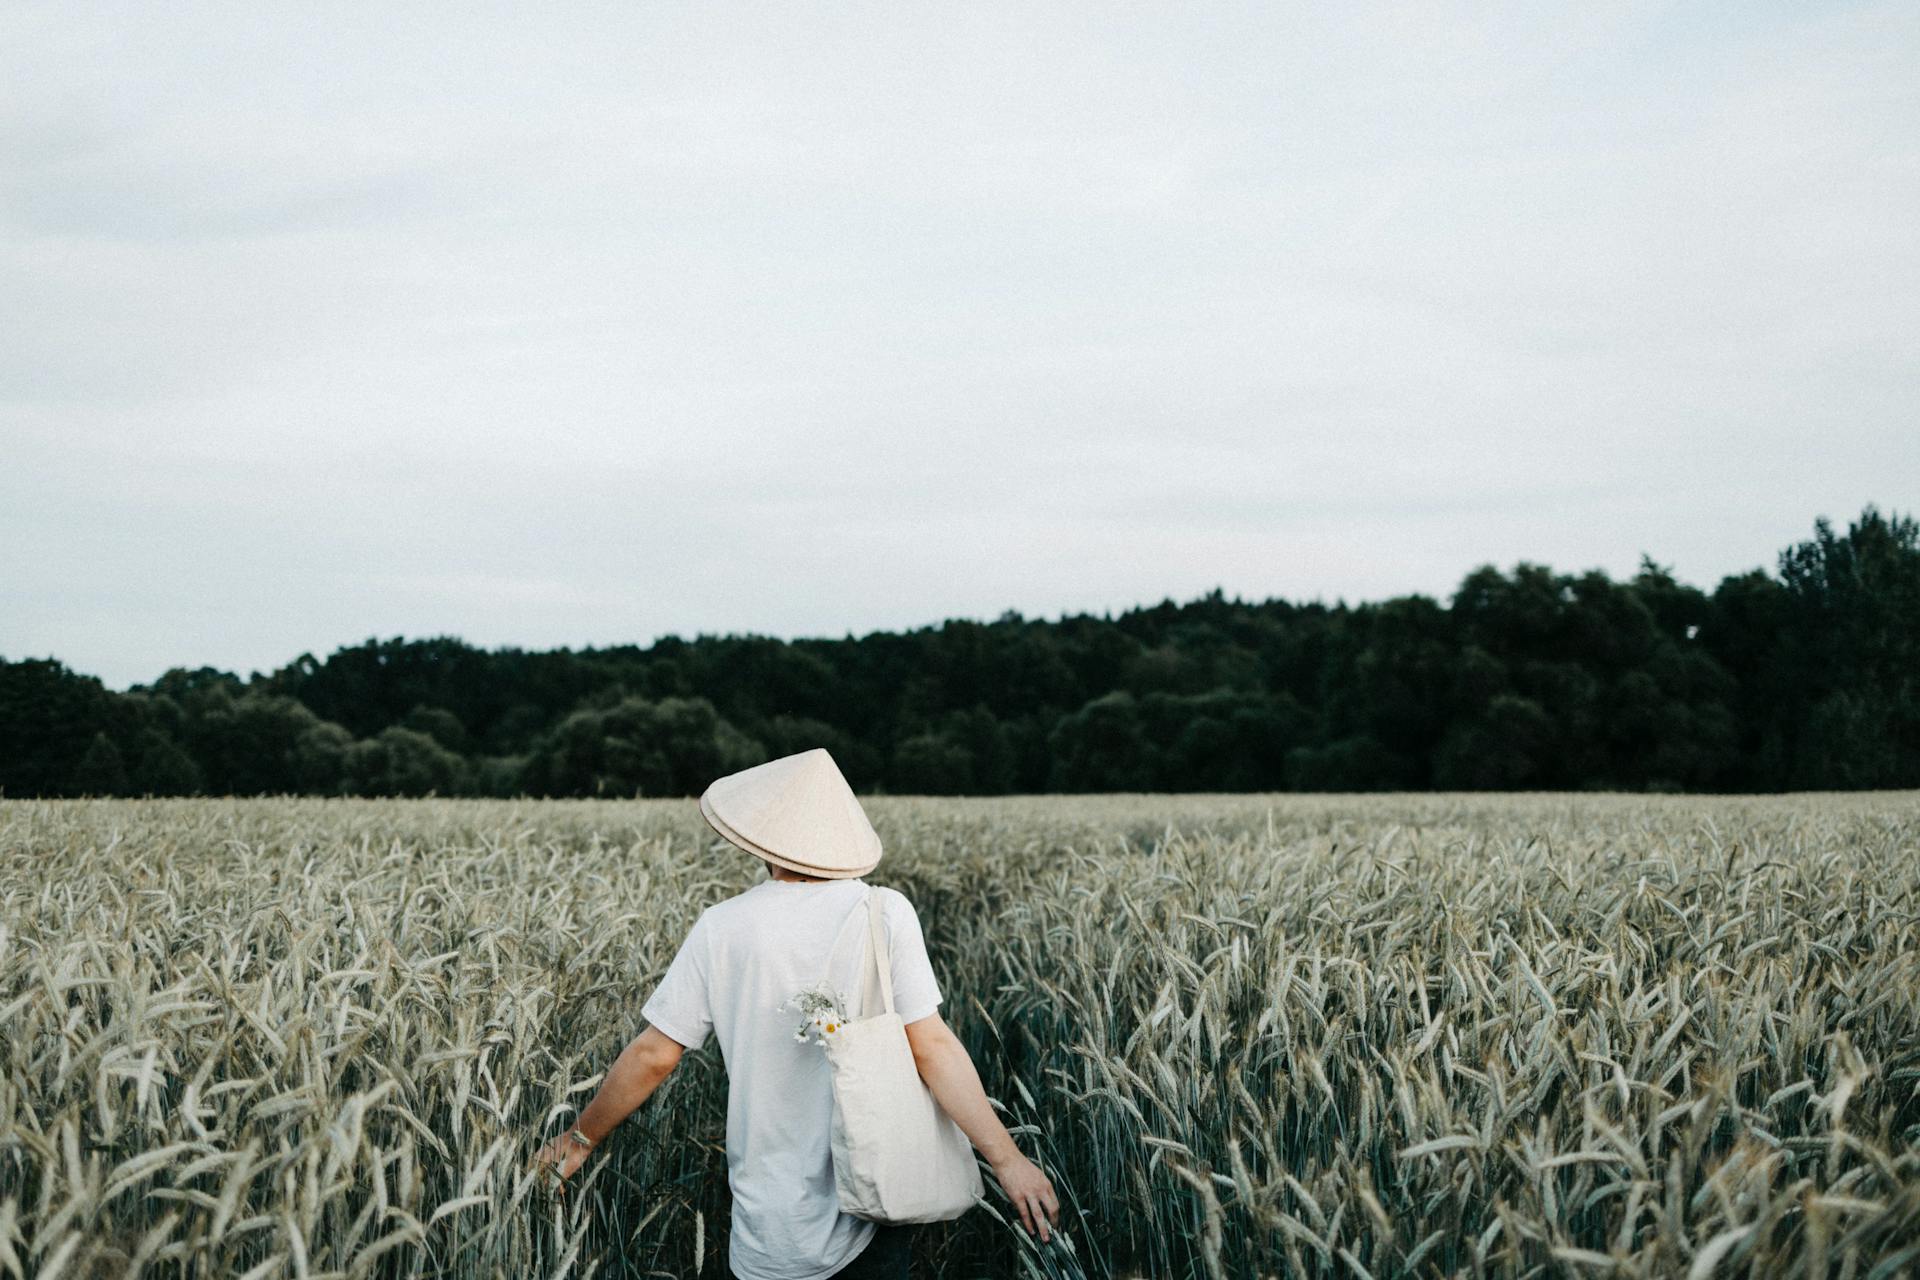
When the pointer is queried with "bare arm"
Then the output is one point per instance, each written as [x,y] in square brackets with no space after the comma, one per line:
[646,1061]
[955,1085]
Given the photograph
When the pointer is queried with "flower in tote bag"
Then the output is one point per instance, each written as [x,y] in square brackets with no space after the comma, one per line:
[822,1010]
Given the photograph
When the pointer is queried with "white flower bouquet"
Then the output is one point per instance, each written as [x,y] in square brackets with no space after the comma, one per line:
[821,1008]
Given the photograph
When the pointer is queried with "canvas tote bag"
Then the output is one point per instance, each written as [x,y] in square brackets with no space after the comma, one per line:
[897,1157]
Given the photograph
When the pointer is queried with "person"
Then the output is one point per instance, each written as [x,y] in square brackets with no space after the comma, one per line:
[736,976]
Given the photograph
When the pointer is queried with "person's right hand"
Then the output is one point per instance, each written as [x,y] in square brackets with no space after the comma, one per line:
[1031,1194]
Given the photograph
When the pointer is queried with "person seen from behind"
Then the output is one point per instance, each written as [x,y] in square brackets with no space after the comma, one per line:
[739,969]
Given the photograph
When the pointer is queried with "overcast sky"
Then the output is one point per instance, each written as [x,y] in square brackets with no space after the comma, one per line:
[569,325]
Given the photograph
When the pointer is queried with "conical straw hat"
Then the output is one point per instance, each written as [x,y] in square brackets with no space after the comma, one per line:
[796,811]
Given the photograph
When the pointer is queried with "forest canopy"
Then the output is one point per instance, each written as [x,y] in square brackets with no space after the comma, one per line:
[1799,679]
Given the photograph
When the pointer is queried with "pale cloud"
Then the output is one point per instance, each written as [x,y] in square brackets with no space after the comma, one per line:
[597,323]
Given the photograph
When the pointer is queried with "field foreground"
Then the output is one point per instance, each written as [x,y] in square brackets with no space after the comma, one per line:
[1248,1036]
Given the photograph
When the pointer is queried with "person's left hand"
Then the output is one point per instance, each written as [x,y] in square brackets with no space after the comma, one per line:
[562,1155]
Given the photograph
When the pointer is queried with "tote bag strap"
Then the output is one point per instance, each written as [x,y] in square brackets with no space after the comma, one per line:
[882,963]
[882,966]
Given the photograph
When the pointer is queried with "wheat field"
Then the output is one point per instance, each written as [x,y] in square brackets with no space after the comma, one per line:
[1247,1036]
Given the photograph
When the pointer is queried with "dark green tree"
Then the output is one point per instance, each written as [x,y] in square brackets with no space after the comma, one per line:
[1853,640]
[163,768]
[403,762]
[1102,747]
[49,719]
[441,725]
[251,744]
[323,761]
[931,764]
[101,771]
[1507,746]
[638,748]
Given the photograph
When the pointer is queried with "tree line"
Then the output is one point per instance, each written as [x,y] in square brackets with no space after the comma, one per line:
[1801,678]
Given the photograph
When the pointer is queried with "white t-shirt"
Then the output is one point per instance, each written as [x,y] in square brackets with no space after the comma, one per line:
[742,959]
